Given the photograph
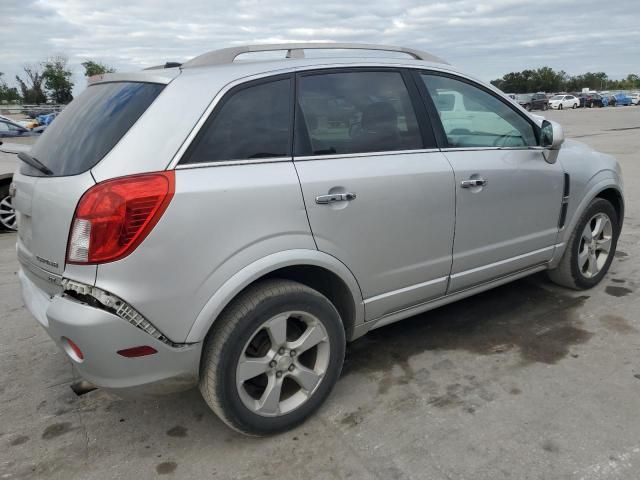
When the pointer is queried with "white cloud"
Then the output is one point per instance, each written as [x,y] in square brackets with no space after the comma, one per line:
[486,38]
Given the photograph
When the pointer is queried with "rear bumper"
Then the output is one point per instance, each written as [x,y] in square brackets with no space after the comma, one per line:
[100,334]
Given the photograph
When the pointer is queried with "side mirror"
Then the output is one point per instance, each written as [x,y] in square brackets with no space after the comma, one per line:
[551,135]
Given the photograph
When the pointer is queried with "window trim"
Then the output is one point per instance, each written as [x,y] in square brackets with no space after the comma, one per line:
[427,134]
[441,136]
[185,157]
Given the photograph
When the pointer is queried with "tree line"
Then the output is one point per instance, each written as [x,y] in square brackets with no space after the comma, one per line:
[546,79]
[48,81]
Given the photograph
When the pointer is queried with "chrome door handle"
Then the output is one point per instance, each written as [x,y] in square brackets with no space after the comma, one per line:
[335,197]
[473,182]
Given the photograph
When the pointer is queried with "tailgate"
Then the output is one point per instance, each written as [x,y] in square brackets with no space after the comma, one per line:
[45,207]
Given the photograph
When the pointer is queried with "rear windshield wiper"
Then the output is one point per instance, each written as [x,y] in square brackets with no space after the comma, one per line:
[34,162]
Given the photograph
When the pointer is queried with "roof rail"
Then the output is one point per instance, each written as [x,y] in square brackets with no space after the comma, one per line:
[296,50]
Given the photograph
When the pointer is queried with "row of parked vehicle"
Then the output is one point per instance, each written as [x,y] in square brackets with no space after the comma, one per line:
[10,128]
[560,101]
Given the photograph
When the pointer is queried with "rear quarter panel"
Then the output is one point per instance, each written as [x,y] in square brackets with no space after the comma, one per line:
[220,220]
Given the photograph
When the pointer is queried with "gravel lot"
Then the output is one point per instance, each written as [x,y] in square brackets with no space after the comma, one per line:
[527,381]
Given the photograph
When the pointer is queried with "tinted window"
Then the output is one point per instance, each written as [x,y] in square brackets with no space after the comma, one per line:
[90,126]
[477,119]
[252,122]
[355,112]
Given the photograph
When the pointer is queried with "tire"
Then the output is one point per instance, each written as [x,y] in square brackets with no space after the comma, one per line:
[240,334]
[559,106]
[527,107]
[568,273]
[7,213]
[591,105]
[575,105]
[545,107]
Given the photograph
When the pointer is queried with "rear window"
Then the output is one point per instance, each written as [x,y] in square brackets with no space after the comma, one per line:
[90,126]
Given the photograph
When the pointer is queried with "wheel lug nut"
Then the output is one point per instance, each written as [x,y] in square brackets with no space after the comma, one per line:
[278,374]
[292,353]
[272,363]
[281,350]
[291,367]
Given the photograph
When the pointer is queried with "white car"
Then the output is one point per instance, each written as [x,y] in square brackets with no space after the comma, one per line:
[635,98]
[559,102]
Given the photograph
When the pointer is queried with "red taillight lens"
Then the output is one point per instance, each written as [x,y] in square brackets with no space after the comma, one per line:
[113,217]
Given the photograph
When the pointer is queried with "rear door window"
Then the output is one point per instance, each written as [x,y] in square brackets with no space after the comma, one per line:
[252,122]
[90,126]
[355,112]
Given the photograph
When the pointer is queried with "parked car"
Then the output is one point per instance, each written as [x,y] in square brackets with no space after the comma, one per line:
[45,120]
[8,164]
[533,101]
[635,98]
[231,257]
[559,102]
[622,99]
[9,129]
[590,100]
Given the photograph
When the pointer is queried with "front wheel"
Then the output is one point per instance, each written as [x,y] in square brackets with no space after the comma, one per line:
[590,248]
[560,106]
[272,357]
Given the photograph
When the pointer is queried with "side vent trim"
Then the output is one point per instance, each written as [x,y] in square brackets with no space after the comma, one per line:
[565,201]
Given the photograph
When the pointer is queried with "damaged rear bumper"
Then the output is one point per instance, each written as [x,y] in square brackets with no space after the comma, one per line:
[101,333]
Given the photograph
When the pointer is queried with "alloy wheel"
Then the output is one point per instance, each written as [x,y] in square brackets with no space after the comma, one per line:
[7,214]
[595,245]
[283,363]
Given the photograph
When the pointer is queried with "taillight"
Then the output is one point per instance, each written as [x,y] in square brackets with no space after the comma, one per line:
[113,217]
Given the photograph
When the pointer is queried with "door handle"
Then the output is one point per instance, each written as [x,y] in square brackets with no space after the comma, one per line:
[473,182]
[335,197]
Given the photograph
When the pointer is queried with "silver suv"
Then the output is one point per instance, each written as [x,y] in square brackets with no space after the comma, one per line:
[231,224]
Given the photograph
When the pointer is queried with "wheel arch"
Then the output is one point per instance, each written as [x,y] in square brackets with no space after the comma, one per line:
[315,269]
[614,196]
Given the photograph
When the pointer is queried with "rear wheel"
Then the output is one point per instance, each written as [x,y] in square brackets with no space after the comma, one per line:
[272,357]
[7,213]
[527,107]
[591,105]
[545,106]
[575,105]
[590,248]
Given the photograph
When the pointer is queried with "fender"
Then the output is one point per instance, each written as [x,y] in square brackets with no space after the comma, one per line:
[601,181]
[252,272]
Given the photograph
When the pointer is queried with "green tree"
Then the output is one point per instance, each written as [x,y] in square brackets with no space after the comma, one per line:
[8,94]
[31,86]
[57,78]
[92,68]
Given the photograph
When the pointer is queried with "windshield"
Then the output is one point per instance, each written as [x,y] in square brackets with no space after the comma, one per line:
[90,126]
[557,97]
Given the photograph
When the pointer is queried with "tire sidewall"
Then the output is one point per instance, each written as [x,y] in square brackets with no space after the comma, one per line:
[597,206]
[230,400]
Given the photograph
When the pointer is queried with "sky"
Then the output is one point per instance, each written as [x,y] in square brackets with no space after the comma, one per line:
[486,38]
